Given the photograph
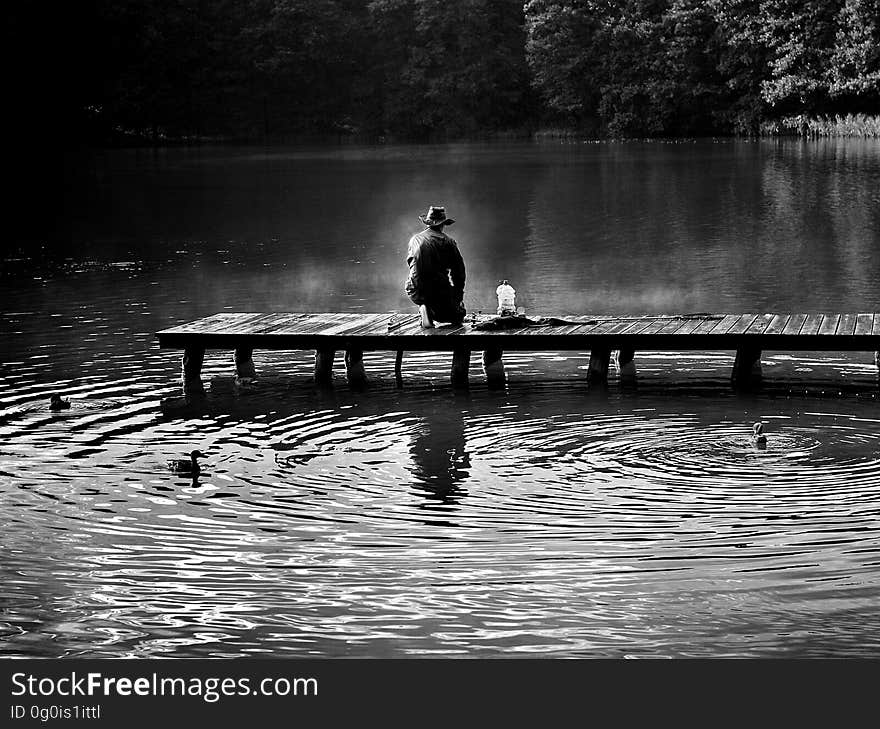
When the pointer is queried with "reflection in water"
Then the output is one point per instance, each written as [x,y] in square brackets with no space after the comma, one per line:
[546,519]
[439,453]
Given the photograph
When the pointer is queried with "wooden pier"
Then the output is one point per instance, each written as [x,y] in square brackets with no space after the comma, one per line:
[354,333]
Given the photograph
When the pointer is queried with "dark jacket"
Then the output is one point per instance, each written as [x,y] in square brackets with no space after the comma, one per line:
[436,268]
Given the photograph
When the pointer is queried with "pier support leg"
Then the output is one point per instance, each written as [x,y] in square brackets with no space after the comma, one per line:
[493,367]
[244,365]
[398,368]
[597,373]
[461,362]
[324,366]
[877,363]
[193,357]
[354,368]
[626,366]
[746,367]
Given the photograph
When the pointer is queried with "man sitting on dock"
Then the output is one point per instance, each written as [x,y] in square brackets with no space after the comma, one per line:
[436,271]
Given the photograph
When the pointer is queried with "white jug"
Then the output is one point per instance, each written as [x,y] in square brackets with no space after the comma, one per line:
[506,298]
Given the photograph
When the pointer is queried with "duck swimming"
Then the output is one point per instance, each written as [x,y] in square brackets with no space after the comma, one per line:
[56,402]
[183,465]
[758,437]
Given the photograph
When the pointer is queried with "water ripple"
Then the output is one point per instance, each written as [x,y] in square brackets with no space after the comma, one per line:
[543,519]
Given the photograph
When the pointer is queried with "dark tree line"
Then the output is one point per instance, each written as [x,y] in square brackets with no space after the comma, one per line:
[432,69]
[652,67]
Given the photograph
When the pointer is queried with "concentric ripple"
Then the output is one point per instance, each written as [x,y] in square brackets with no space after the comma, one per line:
[545,519]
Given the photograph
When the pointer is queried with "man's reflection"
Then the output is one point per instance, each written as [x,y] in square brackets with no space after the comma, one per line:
[440,458]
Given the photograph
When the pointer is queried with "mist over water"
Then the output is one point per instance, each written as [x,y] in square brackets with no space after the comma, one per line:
[545,519]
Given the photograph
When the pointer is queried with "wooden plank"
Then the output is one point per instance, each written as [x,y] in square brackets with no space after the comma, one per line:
[718,327]
[624,325]
[400,323]
[354,323]
[381,327]
[249,324]
[329,324]
[266,324]
[638,326]
[320,323]
[409,329]
[847,325]
[309,324]
[742,324]
[370,323]
[584,319]
[580,329]
[244,324]
[338,325]
[794,324]
[287,324]
[239,325]
[210,323]
[760,324]
[812,324]
[654,327]
[690,325]
[618,327]
[375,324]
[569,330]
[453,331]
[863,324]
[580,326]
[603,326]
[829,324]
[777,325]
[228,319]
[673,325]
[345,325]
[335,330]
[532,331]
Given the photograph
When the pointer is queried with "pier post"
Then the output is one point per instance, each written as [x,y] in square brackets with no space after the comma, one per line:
[626,366]
[597,373]
[398,368]
[354,368]
[461,362]
[193,358]
[244,364]
[493,367]
[746,367]
[877,363]
[324,366]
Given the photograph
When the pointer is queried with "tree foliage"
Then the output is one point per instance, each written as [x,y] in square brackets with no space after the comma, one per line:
[434,69]
[854,70]
[649,67]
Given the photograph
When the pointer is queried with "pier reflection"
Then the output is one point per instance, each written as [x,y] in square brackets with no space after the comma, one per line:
[441,461]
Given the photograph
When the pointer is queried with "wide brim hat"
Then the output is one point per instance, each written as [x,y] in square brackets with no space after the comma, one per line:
[436,215]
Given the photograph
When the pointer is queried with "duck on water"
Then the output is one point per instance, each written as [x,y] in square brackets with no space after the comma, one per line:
[758,437]
[190,465]
[56,402]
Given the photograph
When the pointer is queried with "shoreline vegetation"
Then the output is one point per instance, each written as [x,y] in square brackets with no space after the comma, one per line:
[862,126]
[189,72]
[851,125]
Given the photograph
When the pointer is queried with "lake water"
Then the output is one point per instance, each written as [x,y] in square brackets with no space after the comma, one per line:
[542,520]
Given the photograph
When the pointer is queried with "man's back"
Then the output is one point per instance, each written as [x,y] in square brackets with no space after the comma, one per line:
[434,257]
[436,271]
